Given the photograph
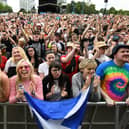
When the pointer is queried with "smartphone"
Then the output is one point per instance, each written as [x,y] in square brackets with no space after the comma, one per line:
[20,87]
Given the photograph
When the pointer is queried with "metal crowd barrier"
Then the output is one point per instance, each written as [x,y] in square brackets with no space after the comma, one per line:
[97,116]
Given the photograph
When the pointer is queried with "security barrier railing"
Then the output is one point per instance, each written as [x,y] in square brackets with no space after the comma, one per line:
[98,116]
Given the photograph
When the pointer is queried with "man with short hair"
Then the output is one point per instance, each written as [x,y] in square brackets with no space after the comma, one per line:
[6,41]
[43,68]
[114,75]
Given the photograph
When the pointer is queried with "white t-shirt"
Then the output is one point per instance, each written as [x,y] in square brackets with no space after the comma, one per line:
[8,64]
[43,68]
[103,58]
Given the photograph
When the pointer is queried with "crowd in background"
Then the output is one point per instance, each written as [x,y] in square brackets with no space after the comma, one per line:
[55,56]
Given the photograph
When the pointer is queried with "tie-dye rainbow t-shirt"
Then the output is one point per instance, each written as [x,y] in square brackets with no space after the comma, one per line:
[115,79]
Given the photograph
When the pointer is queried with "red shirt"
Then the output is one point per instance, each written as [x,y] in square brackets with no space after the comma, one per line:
[3,62]
[64,65]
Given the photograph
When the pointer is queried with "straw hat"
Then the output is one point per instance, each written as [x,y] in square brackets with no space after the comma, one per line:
[100,44]
[69,44]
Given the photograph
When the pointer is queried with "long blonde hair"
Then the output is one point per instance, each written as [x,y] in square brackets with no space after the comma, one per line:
[22,53]
[18,76]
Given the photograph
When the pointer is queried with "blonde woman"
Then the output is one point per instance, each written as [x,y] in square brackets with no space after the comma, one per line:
[4,87]
[25,79]
[85,78]
[18,53]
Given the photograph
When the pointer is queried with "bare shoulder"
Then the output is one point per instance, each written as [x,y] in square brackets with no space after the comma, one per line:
[5,86]
[36,77]
[13,78]
[4,81]
[4,77]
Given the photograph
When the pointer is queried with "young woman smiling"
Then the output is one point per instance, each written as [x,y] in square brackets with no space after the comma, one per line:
[25,79]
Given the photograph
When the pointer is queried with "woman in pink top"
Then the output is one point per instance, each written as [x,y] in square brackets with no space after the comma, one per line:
[25,80]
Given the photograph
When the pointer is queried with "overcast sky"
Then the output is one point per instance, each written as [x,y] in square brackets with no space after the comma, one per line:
[118,4]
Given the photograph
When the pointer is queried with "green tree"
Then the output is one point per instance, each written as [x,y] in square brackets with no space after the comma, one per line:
[123,12]
[81,8]
[126,12]
[112,10]
[22,10]
[85,8]
[5,8]
[101,10]
[120,11]
[90,9]
[78,7]
[68,8]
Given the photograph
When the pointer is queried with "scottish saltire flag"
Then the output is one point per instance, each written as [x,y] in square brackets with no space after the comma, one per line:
[64,114]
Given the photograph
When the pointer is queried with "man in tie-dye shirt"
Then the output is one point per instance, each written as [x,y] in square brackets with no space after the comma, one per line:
[114,75]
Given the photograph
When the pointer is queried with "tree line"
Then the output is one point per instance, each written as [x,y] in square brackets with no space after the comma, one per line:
[78,8]
[85,8]
[5,8]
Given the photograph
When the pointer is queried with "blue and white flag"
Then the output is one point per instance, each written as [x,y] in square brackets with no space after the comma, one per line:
[64,114]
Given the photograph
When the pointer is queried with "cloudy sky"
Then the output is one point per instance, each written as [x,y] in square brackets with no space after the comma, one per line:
[118,4]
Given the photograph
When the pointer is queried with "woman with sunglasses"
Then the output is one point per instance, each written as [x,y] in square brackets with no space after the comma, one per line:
[56,85]
[25,80]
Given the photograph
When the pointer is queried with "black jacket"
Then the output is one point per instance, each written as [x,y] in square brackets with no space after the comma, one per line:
[63,82]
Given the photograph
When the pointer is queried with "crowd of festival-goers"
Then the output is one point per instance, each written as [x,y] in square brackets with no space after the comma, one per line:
[56,56]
